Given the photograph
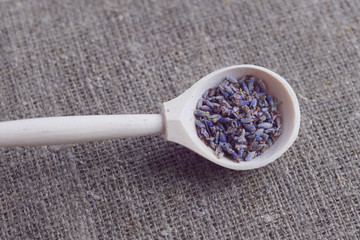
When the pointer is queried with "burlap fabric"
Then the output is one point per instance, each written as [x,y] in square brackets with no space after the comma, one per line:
[113,57]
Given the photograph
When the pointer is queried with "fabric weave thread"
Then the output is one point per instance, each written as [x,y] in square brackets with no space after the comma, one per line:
[115,57]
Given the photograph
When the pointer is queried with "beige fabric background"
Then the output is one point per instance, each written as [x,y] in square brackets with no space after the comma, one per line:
[113,57]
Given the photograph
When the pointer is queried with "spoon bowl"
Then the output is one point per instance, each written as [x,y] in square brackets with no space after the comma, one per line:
[180,120]
[177,122]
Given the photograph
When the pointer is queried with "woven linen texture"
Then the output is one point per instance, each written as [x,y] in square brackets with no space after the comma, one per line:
[77,57]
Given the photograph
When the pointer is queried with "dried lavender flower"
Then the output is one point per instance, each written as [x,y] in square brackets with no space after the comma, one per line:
[238,119]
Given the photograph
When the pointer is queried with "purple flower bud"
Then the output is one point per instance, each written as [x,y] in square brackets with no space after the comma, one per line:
[206,108]
[241,153]
[269,142]
[262,118]
[219,98]
[218,150]
[247,120]
[253,103]
[225,120]
[229,90]
[262,85]
[199,103]
[264,136]
[240,146]
[208,103]
[244,87]
[200,113]
[250,156]
[265,125]
[200,124]
[220,154]
[237,96]
[235,109]
[250,128]
[224,92]
[206,94]
[225,112]
[210,124]
[222,137]
[251,84]
[214,118]
[231,80]
[259,131]
[225,146]
[204,133]
[277,121]
[270,100]
[217,135]
[243,103]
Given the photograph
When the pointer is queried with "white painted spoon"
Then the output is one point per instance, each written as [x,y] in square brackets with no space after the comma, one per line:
[177,122]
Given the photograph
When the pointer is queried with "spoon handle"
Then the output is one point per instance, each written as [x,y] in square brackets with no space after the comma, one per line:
[77,129]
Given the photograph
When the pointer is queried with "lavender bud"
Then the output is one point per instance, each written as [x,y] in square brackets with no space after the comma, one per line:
[199,103]
[200,113]
[262,85]
[251,84]
[259,132]
[210,124]
[200,124]
[253,103]
[265,125]
[206,108]
[250,128]
[243,103]
[244,87]
[231,80]
[250,156]
[206,93]
[247,120]
[270,100]
[222,137]
[225,120]
[204,133]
